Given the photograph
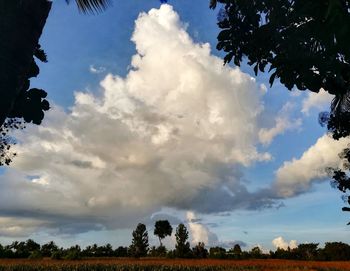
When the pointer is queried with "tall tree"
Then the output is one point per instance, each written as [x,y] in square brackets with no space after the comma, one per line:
[304,44]
[139,245]
[162,229]
[182,246]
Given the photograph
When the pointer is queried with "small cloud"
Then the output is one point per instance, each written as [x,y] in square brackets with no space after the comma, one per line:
[96,70]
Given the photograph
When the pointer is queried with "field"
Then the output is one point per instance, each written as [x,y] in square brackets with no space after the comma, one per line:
[169,265]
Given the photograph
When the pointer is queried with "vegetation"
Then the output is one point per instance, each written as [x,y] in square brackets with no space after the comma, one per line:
[162,229]
[19,52]
[332,251]
[139,245]
[304,44]
[182,247]
[171,265]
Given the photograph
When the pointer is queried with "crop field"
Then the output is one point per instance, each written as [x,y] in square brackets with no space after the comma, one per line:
[169,265]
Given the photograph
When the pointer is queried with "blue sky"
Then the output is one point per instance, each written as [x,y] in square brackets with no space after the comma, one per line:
[147,124]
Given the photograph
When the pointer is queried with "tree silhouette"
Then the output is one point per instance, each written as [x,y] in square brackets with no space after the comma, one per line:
[21,24]
[304,44]
[162,228]
[139,245]
[182,246]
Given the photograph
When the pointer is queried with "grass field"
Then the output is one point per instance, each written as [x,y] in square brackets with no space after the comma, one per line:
[169,265]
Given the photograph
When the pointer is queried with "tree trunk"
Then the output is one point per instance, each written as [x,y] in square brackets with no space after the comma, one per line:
[21,25]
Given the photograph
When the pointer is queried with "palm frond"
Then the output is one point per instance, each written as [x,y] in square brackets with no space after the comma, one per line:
[93,6]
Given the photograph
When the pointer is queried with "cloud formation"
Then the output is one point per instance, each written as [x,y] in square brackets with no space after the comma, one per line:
[279,242]
[297,176]
[174,132]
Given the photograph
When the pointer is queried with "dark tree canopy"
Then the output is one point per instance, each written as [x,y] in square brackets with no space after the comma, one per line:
[162,229]
[182,246]
[304,44]
[139,245]
[22,23]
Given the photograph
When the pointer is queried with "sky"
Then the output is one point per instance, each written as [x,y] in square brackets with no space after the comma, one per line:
[147,123]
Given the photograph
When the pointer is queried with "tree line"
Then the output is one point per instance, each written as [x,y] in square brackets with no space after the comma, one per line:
[332,251]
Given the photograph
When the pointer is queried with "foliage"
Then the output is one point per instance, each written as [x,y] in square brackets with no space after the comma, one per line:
[160,251]
[139,245]
[35,255]
[305,44]
[217,253]
[182,246]
[49,249]
[199,251]
[162,228]
[73,253]
[7,141]
[91,5]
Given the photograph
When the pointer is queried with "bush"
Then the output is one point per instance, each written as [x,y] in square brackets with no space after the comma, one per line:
[56,255]
[35,255]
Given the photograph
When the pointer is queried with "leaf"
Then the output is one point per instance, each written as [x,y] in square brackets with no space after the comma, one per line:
[272,78]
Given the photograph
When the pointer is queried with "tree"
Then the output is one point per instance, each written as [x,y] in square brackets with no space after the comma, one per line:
[256,253]
[139,245]
[307,251]
[48,249]
[336,251]
[199,251]
[217,253]
[236,251]
[182,246]
[304,44]
[21,24]
[162,228]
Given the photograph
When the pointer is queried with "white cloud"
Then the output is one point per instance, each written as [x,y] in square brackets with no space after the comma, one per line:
[96,70]
[279,242]
[297,176]
[199,232]
[175,129]
[320,101]
[282,124]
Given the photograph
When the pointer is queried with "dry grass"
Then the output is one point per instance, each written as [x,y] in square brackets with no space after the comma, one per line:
[126,264]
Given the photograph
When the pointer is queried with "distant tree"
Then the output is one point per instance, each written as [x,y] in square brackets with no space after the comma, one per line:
[121,252]
[256,253]
[73,253]
[305,44]
[307,251]
[336,251]
[236,251]
[139,245]
[162,229]
[281,253]
[199,251]
[217,253]
[182,246]
[48,249]
[160,251]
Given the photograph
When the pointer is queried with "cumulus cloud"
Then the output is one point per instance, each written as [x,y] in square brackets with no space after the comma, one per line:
[320,101]
[199,232]
[283,123]
[279,242]
[176,129]
[297,176]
